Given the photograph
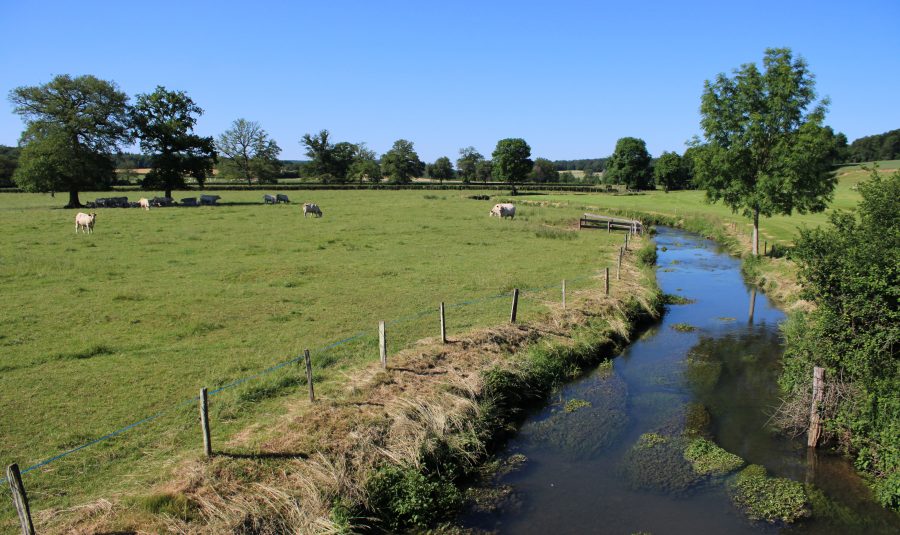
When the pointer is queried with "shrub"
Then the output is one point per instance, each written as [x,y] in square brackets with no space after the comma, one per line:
[405,498]
[763,497]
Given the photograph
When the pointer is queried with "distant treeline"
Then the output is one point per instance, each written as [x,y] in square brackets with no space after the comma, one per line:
[591,165]
[884,146]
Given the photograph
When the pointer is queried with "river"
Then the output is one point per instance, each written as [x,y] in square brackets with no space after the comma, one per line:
[576,477]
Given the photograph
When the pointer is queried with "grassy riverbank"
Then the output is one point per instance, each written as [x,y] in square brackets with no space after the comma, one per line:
[116,326]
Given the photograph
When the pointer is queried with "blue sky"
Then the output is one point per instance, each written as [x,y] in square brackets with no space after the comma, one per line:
[568,77]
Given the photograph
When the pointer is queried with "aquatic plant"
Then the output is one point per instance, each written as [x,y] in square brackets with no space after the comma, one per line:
[683,327]
[574,404]
[707,458]
[656,462]
[767,498]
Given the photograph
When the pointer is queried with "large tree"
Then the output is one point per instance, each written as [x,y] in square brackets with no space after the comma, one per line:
[441,169]
[401,163]
[365,165]
[164,122]
[467,163]
[766,149]
[484,170]
[9,160]
[512,161]
[671,172]
[73,127]
[630,164]
[249,151]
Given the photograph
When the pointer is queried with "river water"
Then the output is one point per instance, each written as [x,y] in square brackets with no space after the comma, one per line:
[577,477]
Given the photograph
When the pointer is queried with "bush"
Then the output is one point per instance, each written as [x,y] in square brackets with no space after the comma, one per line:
[405,498]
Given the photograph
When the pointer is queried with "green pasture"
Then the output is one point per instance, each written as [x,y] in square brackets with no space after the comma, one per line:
[99,331]
[777,229]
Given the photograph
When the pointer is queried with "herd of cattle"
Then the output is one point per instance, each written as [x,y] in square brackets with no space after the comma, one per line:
[85,222]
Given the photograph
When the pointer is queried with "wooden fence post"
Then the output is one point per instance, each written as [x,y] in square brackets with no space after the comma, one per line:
[382,344]
[20,498]
[619,265]
[608,227]
[515,306]
[815,419]
[564,294]
[607,281]
[443,325]
[204,422]
[626,241]
[309,378]
[765,247]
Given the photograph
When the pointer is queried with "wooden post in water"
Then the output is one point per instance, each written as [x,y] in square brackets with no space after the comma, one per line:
[443,325]
[607,281]
[815,418]
[20,498]
[204,422]
[564,294]
[515,306]
[382,344]
[309,379]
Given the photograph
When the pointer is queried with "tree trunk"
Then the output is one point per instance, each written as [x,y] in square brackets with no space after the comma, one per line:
[169,192]
[756,232]
[73,200]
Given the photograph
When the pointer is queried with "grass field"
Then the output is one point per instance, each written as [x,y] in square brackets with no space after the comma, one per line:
[777,229]
[102,330]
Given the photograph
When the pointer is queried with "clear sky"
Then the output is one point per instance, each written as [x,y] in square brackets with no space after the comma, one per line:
[568,77]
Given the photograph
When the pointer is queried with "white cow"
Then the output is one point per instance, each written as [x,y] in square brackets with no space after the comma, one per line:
[144,203]
[268,199]
[85,222]
[209,200]
[503,210]
[311,208]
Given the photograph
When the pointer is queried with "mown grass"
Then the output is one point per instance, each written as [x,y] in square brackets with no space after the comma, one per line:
[103,330]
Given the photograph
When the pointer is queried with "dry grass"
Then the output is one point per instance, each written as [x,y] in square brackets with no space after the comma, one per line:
[322,452]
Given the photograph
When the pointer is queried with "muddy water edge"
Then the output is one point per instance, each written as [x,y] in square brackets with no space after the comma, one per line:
[707,370]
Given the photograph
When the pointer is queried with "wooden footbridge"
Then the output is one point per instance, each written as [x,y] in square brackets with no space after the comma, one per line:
[610,223]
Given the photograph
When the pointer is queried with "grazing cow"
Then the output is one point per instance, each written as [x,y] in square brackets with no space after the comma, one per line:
[281,197]
[268,199]
[144,203]
[189,201]
[311,208]
[209,200]
[503,210]
[85,222]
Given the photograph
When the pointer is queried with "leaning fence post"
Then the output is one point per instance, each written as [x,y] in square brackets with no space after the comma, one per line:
[564,294]
[309,378]
[20,498]
[515,306]
[815,419]
[204,422]
[607,281]
[443,325]
[626,241]
[382,344]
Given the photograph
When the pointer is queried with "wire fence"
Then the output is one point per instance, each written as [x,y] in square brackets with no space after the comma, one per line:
[528,293]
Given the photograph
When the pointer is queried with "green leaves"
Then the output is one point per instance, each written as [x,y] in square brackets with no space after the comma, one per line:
[511,161]
[401,163]
[630,164]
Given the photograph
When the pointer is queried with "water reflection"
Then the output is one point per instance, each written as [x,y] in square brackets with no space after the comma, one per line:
[613,463]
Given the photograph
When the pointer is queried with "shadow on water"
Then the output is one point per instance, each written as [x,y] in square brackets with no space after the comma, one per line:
[719,366]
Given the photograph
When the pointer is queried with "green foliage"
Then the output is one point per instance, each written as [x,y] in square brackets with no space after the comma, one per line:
[647,254]
[671,172]
[405,498]
[9,160]
[441,169]
[467,164]
[248,152]
[336,160]
[707,458]
[630,164]
[164,122]
[574,404]
[851,271]
[656,462]
[764,153]
[683,327]
[884,146]
[73,125]
[511,161]
[484,170]
[771,499]
[544,171]
[402,163]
